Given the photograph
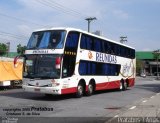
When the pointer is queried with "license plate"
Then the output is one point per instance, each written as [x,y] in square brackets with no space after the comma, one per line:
[37,89]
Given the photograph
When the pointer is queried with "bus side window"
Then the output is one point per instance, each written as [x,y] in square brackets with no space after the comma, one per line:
[122,51]
[112,48]
[132,53]
[106,47]
[118,50]
[97,45]
[82,68]
[72,40]
[83,42]
[89,42]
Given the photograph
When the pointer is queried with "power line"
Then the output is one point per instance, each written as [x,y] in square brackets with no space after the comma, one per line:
[45,3]
[67,8]
[18,19]
[12,35]
[60,7]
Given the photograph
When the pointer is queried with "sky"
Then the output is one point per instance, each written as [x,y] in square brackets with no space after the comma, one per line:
[139,20]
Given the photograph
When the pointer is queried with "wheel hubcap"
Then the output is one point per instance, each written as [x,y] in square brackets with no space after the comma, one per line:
[121,86]
[90,88]
[80,90]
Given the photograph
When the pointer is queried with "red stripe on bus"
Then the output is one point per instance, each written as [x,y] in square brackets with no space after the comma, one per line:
[131,82]
[69,90]
[108,85]
[100,86]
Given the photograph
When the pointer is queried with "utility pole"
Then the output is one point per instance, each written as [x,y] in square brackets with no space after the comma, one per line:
[156,55]
[123,39]
[89,21]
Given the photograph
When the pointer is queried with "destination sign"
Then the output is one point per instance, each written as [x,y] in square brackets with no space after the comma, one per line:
[40,51]
[101,57]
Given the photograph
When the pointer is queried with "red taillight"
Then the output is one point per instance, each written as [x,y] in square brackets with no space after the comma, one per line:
[58,62]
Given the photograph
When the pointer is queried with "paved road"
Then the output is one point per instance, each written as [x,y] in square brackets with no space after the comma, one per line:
[101,106]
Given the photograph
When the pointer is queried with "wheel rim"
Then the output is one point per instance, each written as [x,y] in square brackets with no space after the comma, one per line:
[90,88]
[80,90]
[121,86]
[125,84]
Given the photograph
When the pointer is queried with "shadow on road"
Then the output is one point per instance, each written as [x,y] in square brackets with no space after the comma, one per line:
[19,93]
[150,87]
[33,96]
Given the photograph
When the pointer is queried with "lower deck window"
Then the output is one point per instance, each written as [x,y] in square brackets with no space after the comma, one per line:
[94,68]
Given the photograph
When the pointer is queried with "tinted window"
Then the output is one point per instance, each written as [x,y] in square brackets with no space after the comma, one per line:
[82,68]
[72,40]
[93,68]
[97,45]
[83,44]
[70,51]
[86,42]
[47,39]
[41,66]
[89,42]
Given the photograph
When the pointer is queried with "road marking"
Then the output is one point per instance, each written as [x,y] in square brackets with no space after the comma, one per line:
[133,107]
[116,116]
[158,94]
[152,97]
[144,101]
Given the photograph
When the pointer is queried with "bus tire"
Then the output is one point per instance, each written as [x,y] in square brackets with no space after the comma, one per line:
[48,95]
[123,85]
[80,90]
[126,85]
[90,89]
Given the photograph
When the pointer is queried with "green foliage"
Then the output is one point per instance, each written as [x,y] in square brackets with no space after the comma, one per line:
[3,48]
[139,64]
[156,56]
[21,49]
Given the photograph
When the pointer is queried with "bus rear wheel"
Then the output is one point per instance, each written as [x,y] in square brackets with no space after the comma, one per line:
[90,89]
[80,90]
[123,85]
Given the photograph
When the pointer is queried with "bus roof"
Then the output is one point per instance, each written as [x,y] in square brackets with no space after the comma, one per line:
[85,32]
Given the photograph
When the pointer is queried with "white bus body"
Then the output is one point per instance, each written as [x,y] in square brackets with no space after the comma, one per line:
[77,62]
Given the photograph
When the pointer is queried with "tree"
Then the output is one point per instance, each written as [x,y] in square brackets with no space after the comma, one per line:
[21,49]
[3,48]
[139,65]
[156,55]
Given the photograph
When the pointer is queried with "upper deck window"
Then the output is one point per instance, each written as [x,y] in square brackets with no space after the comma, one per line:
[47,40]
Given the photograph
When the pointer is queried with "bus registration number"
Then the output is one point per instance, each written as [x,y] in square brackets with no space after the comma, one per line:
[37,89]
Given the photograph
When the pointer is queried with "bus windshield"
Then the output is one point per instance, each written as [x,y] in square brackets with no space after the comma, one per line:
[53,39]
[41,66]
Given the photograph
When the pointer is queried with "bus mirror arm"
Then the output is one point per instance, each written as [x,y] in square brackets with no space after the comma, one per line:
[16,59]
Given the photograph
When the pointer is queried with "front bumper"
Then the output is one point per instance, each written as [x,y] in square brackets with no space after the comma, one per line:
[45,90]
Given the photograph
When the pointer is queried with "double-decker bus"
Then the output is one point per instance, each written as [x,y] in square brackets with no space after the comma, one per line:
[68,60]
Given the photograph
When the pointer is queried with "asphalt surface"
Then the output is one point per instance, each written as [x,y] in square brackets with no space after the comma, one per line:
[26,107]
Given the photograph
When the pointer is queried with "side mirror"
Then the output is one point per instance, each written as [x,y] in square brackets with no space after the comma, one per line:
[16,59]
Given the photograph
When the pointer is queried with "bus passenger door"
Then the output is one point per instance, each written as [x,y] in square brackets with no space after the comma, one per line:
[70,53]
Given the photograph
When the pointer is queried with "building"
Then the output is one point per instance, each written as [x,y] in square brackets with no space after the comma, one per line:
[149,64]
[11,54]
